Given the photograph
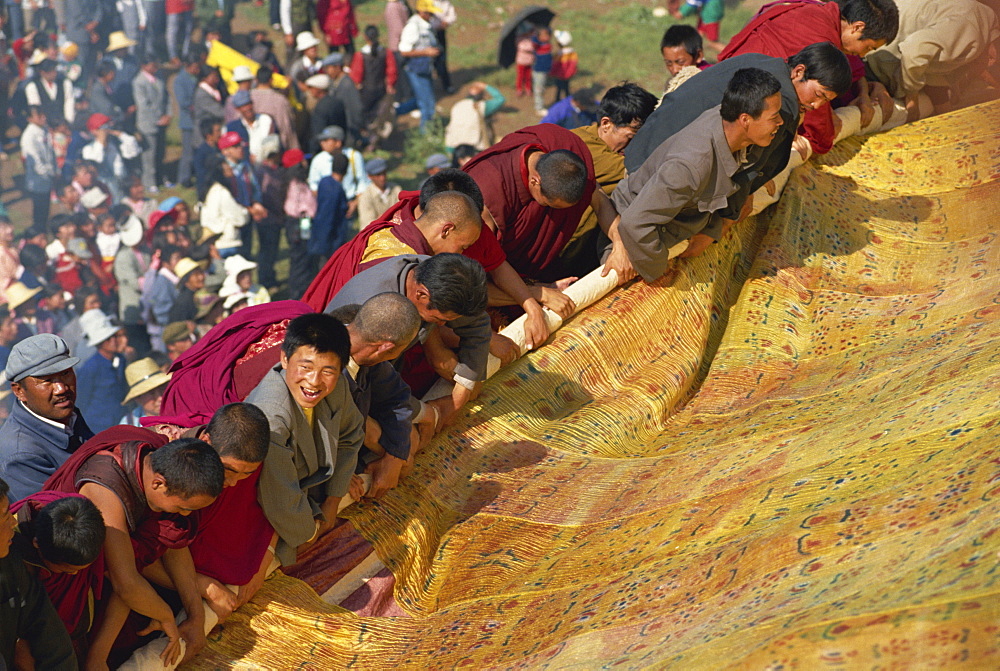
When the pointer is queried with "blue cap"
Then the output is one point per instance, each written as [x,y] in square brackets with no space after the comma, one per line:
[376,166]
[241,98]
[437,161]
[168,204]
[336,58]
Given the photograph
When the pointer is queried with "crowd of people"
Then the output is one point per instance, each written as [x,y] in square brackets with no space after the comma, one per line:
[172,436]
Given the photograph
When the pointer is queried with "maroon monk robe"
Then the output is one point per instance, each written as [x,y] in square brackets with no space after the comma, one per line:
[119,451]
[782,30]
[531,235]
[346,261]
[207,376]
[69,593]
[233,534]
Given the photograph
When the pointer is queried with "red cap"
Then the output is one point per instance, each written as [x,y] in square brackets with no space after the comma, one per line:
[292,157]
[97,120]
[230,139]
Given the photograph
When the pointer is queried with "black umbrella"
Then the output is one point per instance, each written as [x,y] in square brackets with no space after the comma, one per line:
[507,46]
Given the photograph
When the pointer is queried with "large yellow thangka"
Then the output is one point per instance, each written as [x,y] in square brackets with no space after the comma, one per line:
[786,454]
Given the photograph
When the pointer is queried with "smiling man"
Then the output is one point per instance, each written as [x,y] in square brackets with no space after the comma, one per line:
[315,433]
[44,426]
[674,196]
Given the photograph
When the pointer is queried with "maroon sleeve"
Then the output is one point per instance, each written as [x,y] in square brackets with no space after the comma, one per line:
[487,250]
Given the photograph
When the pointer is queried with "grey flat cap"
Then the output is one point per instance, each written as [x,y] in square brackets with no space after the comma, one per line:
[39,355]
[331,133]
[336,58]
[376,166]
[437,161]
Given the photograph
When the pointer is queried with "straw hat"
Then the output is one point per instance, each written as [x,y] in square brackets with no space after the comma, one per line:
[142,376]
[119,40]
[207,235]
[185,266]
[18,294]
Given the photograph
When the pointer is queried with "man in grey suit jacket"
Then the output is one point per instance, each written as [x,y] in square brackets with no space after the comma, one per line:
[316,432]
[152,115]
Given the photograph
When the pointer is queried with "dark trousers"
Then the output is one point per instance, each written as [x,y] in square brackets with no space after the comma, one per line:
[441,60]
[40,209]
[269,237]
[246,239]
[302,269]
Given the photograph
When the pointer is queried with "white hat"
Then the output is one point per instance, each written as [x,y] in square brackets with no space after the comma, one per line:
[99,329]
[233,299]
[131,231]
[241,73]
[304,40]
[93,197]
[319,81]
[236,264]
[91,317]
[563,37]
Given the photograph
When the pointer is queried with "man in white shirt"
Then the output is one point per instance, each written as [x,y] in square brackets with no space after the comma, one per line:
[419,46]
[252,128]
[379,195]
[331,141]
[39,164]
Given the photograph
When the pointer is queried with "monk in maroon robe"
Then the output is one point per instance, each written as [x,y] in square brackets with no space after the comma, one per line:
[535,218]
[782,29]
[72,586]
[146,518]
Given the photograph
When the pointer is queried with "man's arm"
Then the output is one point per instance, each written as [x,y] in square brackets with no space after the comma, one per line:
[474,335]
[649,227]
[119,558]
[180,567]
[349,430]
[288,509]
[506,279]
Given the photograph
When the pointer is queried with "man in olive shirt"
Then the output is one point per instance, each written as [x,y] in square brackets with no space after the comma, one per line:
[675,194]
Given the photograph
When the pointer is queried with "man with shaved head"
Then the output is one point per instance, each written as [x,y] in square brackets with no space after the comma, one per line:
[537,183]
[405,229]
[380,329]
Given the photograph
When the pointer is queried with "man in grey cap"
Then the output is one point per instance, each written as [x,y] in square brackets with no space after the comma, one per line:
[251,126]
[343,88]
[44,426]
[379,195]
[355,180]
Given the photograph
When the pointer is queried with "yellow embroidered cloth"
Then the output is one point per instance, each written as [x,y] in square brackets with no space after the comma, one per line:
[785,454]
